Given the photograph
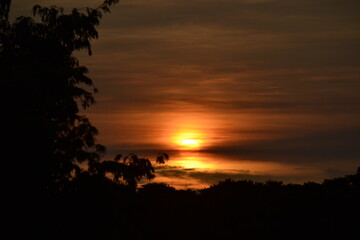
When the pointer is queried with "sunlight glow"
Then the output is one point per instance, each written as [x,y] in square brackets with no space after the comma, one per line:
[190,142]
[191,132]
[193,162]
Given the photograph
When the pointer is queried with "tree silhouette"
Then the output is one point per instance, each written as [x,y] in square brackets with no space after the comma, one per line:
[44,88]
[49,150]
[131,169]
[47,88]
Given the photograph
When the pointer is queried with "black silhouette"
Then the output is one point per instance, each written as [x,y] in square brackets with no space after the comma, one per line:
[46,86]
[48,144]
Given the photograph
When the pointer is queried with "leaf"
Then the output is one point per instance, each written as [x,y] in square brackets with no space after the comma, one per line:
[117,157]
[162,158]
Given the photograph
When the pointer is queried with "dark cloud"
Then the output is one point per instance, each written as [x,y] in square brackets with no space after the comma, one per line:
[301,147]
[259,15]
[334,173]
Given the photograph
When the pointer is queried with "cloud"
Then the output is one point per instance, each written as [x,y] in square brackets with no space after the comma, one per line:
[301,147]
[271,80]
[261,80]
[196,178]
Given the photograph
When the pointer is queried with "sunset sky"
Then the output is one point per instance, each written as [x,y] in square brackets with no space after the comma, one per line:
[242,89]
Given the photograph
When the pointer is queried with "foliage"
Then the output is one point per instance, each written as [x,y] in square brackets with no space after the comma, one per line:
[243,209]
[131,169]
[44,88]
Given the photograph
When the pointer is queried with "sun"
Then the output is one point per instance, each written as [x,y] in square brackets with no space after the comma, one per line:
[189,142]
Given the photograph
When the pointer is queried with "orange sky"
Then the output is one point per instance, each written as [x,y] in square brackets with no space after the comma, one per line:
[271,83]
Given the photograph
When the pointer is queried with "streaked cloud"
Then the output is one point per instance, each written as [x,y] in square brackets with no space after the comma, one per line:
[261,80]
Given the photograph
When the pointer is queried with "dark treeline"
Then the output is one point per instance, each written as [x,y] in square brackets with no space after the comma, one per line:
[96,208]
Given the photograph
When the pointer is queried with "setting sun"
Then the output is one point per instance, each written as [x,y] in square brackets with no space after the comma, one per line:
[189,142]
[188,139]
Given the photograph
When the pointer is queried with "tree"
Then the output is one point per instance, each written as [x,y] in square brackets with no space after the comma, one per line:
[131,169]
[43,90]
[46,86]
[50,158]
[49,150]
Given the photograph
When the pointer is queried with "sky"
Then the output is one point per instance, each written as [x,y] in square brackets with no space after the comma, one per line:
[259,89]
